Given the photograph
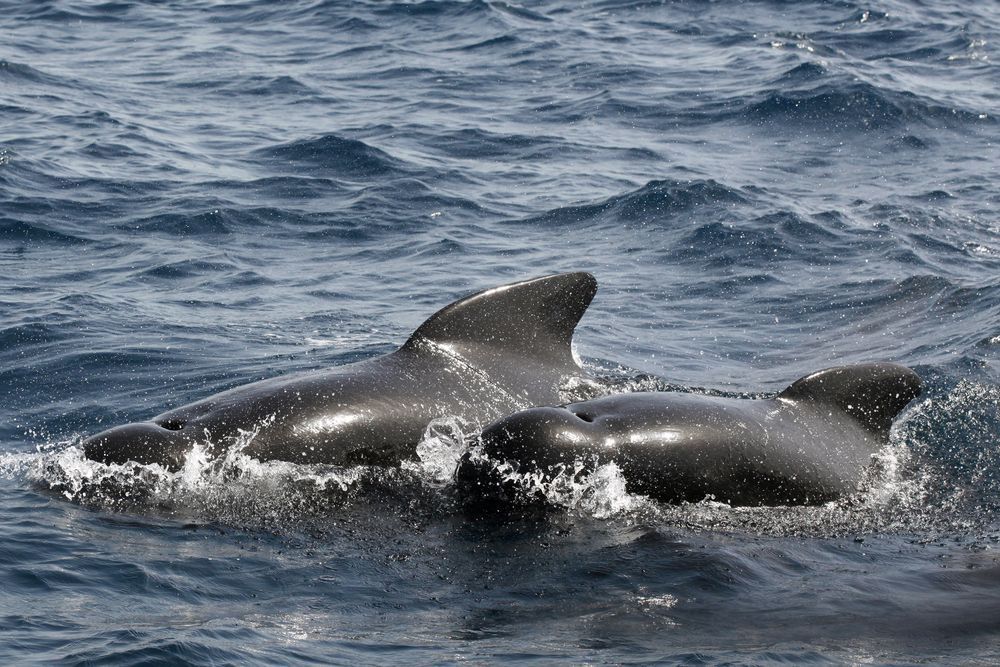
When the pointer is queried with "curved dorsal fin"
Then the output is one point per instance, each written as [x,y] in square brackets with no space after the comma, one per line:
[534,318]
[871,393]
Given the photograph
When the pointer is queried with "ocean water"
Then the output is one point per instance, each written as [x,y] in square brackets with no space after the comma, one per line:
[195,195]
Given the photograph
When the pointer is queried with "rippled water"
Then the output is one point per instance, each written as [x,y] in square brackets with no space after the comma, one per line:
[198,195]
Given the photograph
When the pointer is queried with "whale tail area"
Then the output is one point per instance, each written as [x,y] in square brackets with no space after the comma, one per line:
[871,393]
[534,319]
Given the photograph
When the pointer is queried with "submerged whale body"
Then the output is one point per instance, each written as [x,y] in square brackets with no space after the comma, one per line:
[485,356]
[810,444]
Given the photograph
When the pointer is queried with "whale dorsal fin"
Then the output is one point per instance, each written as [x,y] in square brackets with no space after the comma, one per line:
[534,318]
[871,393]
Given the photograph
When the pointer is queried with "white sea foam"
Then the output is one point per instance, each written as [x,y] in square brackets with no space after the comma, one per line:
[440,449]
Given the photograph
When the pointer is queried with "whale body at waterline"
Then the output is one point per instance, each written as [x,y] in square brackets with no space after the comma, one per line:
[480,358]
[810,444]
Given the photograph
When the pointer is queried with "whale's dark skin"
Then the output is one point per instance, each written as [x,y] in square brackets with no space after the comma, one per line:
[485,356]
[810,444]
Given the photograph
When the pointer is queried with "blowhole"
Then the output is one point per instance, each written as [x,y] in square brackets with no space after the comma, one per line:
[585,416]
[171,424]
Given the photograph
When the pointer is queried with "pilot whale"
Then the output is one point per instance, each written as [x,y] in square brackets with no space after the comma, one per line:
[480,358]
[810,444]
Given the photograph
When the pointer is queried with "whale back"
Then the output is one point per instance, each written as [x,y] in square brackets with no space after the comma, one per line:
[531,320]
[871,393]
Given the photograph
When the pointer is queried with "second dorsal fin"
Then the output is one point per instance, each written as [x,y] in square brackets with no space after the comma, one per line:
[871,393]
[534,318]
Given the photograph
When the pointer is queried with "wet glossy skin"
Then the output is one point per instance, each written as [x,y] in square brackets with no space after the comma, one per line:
[480,358]
[361,413]
[802,447]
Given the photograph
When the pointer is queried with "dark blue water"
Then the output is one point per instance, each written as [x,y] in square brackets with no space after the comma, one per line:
[196,195]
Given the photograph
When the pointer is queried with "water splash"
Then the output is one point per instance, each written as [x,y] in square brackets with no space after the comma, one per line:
[444,442]
[231,486]
[580,487]
[956,433]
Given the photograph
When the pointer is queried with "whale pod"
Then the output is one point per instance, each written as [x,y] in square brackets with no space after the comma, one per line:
[485,356]
[810,444]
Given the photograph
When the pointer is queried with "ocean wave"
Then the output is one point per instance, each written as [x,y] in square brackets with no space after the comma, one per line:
[56,12]
[331,155]
[225,219]
[19,231]
[200,224]
[112,150]
[856,107]
[293,188]
[279,85]
[188,268]
[284,86]
[16,73]
[656,201]
[30,335]
[806,72]
[716,244]
[478,143]
[850,105]
[434,9]
[500,43]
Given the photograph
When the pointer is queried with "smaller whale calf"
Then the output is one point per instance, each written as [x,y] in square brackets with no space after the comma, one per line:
[810,444]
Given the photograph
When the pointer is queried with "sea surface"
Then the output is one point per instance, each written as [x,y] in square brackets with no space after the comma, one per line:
[196,195]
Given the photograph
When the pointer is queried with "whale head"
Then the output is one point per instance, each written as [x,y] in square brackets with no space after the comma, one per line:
[142,442]
[538,441]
